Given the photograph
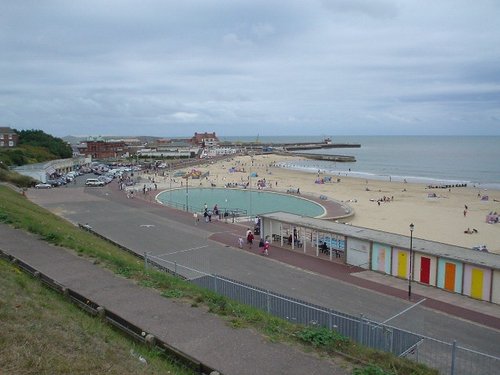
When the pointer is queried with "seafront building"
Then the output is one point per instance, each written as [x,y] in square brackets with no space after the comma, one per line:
[452,268]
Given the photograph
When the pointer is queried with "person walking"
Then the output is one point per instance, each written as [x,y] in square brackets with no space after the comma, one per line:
[250,238]
[266,247]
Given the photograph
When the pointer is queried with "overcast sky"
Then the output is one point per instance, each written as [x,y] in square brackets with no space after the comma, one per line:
[308,67]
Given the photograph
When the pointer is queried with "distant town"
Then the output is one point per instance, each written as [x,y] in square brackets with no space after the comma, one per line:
[196,149]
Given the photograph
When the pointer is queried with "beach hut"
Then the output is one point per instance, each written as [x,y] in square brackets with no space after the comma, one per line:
[425,267]
[450,275]
[477,282]
[381,258]
[400,263]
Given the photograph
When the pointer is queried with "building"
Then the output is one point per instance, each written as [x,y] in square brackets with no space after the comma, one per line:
[42,171]
[8,137]
[98,148]
[452,268]
[204,139]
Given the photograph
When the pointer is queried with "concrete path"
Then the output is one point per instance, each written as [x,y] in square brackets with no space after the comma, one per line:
[194,331]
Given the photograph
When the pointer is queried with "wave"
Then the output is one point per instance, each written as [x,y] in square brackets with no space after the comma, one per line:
[431,181]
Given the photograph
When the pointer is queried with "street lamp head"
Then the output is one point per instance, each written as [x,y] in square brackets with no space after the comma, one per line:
[412,227]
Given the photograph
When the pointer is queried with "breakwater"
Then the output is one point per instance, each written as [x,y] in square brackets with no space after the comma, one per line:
[334,158]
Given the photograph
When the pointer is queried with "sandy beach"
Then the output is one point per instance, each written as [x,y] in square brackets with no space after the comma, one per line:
[443,218]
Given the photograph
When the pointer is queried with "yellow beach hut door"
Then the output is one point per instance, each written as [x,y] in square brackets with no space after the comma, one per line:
[402,264]
[476,288]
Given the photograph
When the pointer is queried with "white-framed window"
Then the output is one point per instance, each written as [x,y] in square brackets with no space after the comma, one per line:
[11,143]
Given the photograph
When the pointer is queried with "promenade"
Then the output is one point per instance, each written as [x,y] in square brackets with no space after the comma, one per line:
[141,224]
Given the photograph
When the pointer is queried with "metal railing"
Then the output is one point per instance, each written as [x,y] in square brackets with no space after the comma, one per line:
[447,358]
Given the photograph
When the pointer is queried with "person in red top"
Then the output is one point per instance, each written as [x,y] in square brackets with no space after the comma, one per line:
[250,239]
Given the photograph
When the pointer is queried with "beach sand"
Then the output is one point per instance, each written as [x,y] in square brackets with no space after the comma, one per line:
[437,219]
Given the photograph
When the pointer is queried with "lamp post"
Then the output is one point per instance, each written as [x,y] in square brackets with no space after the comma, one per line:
[250,184]
[187,193]
[410,272]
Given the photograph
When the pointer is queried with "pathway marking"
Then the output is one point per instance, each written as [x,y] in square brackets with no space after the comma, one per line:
[405,310]
[182,251]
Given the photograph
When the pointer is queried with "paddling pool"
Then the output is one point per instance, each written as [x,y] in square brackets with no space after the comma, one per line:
[251,202]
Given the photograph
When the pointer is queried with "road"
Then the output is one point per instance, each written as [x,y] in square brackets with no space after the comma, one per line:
[173,235]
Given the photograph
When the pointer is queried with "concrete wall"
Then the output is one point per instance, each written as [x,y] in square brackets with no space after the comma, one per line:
[495,287]
[358,253]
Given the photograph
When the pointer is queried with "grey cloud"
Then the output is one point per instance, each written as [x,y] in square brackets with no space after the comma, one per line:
[370,8]
[247,66]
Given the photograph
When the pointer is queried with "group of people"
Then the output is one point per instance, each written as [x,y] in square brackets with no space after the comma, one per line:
[263,244]
[207,214]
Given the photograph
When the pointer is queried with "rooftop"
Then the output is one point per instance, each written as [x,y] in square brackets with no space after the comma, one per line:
[438,249]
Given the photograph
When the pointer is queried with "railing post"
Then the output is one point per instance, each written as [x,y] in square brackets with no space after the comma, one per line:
[215,283]
[330,319]
[360,329]
[453,357]
[268,302]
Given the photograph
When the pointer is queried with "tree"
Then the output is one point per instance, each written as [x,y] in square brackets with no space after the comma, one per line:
[38,138]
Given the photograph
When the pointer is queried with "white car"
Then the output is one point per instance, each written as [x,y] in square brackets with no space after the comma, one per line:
[94,182]
[43,186]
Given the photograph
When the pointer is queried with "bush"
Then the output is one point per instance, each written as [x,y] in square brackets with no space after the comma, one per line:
[322,337]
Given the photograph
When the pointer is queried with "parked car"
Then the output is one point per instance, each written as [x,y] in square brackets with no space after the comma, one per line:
[93,182]
[43,186]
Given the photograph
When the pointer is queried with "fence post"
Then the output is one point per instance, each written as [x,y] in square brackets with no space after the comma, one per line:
[215,283]
[145,260]
[453,356]
[360,329]
[268,301]
[330,318]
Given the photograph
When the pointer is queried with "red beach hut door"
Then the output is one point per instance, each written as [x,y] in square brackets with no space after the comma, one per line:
[425,270]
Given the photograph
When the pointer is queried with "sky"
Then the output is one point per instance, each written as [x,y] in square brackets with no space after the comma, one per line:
[247,68]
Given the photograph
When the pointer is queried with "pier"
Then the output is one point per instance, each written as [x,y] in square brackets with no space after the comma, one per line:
[336,158]
[297,146]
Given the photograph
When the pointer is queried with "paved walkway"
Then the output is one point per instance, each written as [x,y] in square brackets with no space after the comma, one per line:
[194,331]
[460,306]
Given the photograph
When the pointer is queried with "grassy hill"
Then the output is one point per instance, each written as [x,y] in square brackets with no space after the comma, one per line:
[44,334]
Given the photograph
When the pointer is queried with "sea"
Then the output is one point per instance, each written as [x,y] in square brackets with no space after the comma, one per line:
[433,160]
